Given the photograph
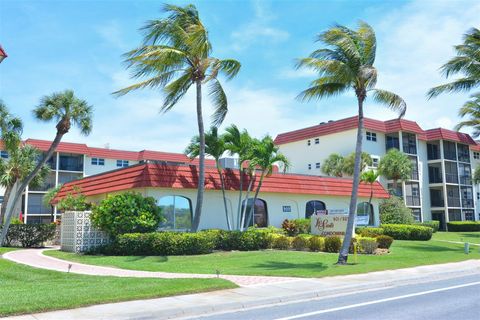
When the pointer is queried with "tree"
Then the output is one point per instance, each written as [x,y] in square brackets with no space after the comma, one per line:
[393,210]
[349,163]
[238,143]
[174,56]
[466,63]
[10,128]
[347,64]
[472,110]
[65,109]
[215,147]
[395,165]
[476,175]
[333,165]
[265,156]
[369,177]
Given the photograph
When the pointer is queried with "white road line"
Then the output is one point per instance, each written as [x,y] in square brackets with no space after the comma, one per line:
[303,315]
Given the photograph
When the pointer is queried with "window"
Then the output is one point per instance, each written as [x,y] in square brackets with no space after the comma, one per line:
[70,162]
[317,140]
[98,161]
[317,165]
[122,163]
[467,197]
[4,154]
[449,150]
[468,215]
[417,214]
[258,215]
[177,211]
[392,142]
[414,174]
[36,206]
[64,177]
[409,141]
[365,214]
[476,155]
[309,166]
[314,207]
[463,153]
[308,142]
[465,173]
[375,162]
[454,215]
[478,195]
[371,136]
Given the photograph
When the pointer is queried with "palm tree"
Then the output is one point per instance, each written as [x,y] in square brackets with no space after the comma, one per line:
[10,128]
[239,143]
[369,177]
[215,147]
[476,175]
[349,163]
[466,63]
[396,166]
[65,109]
[333,165]
[348,65]
[265,156]
[472,110]
[174,56]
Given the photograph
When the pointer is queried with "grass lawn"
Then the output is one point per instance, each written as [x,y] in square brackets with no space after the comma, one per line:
[286,263]
[25,290]
[472,237]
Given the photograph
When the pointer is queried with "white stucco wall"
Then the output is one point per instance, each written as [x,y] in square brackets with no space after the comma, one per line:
[110,164]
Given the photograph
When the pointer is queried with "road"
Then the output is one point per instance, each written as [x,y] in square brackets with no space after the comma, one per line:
[457,298]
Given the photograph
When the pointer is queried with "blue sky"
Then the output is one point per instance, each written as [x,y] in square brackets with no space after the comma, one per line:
[57,45]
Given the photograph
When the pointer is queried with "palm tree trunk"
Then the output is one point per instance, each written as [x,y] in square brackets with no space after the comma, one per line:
[240,192]
[252,208]
[15,196]
[6,195]
[370,203]
[343,256]
[244,212]
[222,182]
[201,165]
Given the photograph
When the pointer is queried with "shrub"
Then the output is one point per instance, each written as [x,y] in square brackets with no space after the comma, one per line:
[333,244]
[300,242]
[367,245]
[252,239]
[394,211]
[303,225]
[281,242]
[290,227]
[127,212]
[465,226]
[73,201]
[369,232]
[316,243]
[435,225]
[30,235]
[384,242]
[407,232]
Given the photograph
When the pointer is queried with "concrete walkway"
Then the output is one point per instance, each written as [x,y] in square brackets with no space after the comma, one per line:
[35,258]
[247,297]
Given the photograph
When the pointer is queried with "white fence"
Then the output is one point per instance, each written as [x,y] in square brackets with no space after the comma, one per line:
[78,234]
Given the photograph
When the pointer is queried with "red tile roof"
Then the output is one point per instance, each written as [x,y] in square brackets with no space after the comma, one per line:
[348,124]
[445,134]
[186,177]
[68,147]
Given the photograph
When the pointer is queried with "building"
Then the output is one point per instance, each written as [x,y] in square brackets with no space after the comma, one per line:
[73,161]
[282,196]
[440,187]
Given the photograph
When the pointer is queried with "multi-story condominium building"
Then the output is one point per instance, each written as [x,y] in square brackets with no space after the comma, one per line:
[440,186]
[73,161]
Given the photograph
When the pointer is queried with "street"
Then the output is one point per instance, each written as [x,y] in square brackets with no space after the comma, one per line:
[457,298]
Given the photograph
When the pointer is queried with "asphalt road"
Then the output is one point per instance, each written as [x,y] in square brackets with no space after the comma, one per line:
[451,299]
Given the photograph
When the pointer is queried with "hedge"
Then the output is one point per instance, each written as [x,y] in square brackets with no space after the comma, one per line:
[435,225]
[369,231]
[30,235]
[463,226]
[407,232]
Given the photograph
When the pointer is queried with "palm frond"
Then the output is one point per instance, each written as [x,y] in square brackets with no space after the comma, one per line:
[369,42]
[175,90]
[322,90]
[392,100]
[219,100]
[459,85]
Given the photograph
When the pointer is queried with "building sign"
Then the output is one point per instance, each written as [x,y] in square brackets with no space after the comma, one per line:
[362,220]
[329,225]
[287,208]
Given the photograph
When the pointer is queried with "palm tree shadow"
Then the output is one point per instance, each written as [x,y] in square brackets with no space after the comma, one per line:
[280,265]
[156,259]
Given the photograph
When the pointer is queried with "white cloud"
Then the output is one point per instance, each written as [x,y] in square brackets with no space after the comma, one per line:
[292,73]
[258,29]
[111,34]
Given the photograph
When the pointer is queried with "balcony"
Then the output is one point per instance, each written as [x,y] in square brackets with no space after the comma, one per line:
[414,175]
[467,203]
[71,163]
[451,178]
[466,179]
[454,202]
[412,201]
[437,202]
[433,151]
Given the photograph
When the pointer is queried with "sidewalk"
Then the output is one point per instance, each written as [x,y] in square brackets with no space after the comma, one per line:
[261,294]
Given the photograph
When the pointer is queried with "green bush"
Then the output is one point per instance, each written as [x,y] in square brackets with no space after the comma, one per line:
[281,242]
[300,242]
[30,235]
[367,245]
[316,243]
[463,226]
[369,231]
[303,225]
[73,201]
[296,226]
[435,225]
[252,239]
[128,212]
[394,211]
[333,244]
[407,232]
[384,242]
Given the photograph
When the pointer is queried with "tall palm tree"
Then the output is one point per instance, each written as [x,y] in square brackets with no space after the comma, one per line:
[471,109]
[369,177]
[10,128]
[215,147]
[347,64]
[239,143]
[265,156]
[396,166]
[174,56]
[466,63]
[65,109]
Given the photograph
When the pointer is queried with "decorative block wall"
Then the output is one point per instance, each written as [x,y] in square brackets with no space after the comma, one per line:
[78,234]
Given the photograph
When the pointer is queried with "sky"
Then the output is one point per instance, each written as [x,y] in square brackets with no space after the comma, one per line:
[78,45]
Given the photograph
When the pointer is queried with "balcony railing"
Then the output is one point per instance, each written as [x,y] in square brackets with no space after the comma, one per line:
[467,179]
[413,201]
[454,202]
[392,145]
[433,154]
[410,149]
[451,177]
[467,203]
[414,175]
[71,164]
[435,179]
[450,155]
[437,202]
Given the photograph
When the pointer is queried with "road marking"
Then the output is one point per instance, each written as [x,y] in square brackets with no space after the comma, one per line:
[303,315]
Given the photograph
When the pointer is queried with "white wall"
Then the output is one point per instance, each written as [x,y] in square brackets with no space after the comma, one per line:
[110,164]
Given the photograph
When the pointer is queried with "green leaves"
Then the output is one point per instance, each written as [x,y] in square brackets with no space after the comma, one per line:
[471,109]
[391,100]
[395,165]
